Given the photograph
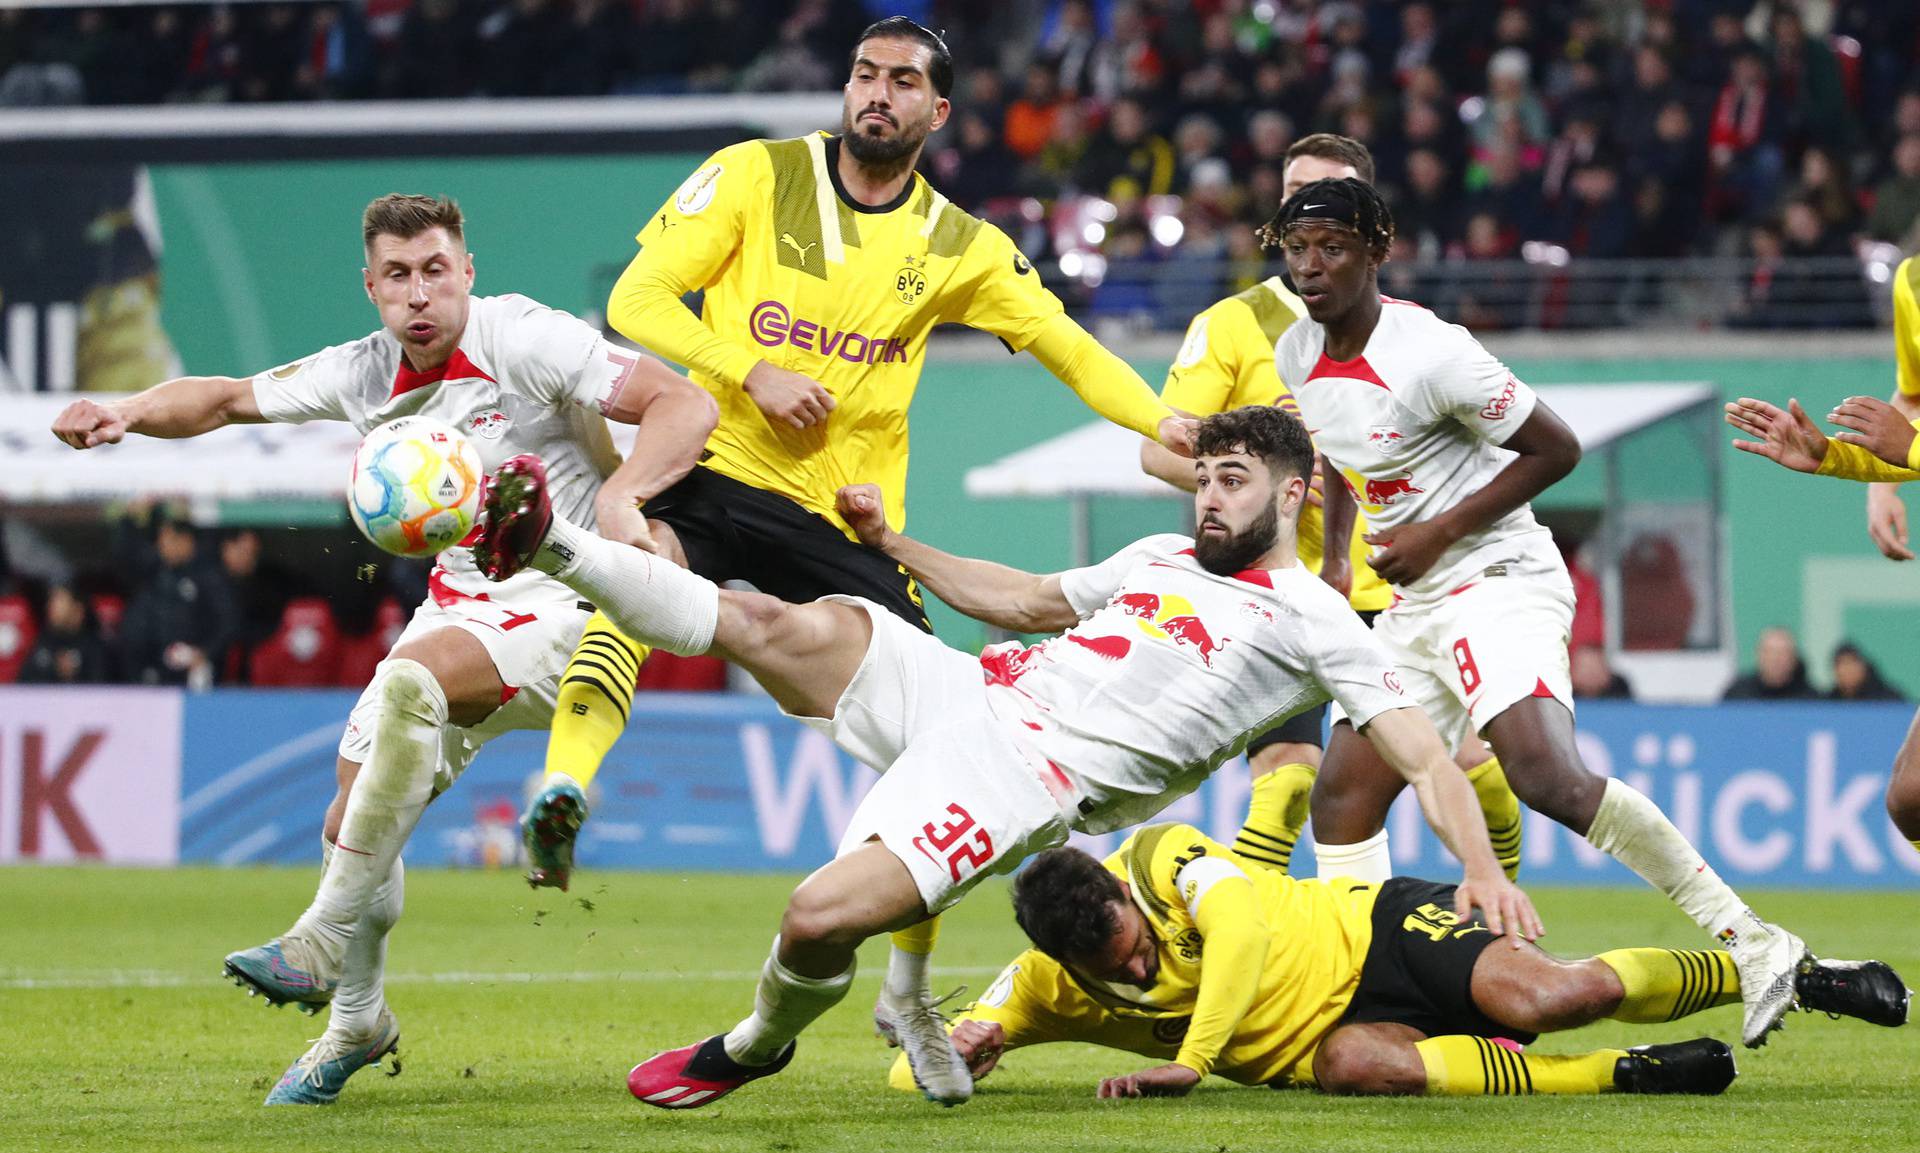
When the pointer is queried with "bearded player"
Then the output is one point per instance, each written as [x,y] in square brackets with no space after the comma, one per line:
[1444,449]
[478,658]
[825,262]
[1176,949]
[991,758]
[1227,361]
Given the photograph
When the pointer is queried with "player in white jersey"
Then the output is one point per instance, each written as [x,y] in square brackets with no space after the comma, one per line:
[478,658]
[1175,653]
[1443,447]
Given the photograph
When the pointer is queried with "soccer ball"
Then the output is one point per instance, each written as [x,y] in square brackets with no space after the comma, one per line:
[415,487]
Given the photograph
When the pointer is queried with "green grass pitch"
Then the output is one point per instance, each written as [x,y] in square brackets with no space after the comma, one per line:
[521,1013]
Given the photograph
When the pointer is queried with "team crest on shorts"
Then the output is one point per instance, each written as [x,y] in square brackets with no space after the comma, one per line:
[1171,1030]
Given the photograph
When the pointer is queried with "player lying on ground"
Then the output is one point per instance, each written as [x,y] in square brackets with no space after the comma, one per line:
[1175,653]
[1881,447]
[478,659]
[1179,951]
[1444,449]
[1226,361]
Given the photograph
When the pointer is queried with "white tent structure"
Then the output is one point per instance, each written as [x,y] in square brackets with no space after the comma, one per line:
[1102,460]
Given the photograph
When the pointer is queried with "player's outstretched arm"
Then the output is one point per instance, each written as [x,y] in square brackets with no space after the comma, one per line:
[1110,386]
[675,417]
[1406,739]
[1886,512]
[1879,427]
[1001,596]
[186,406]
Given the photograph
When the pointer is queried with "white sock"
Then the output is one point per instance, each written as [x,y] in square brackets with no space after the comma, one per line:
[363,980]
[385,803]
[784,1004]
[1634,831]
[909,975]
[1366,860]
[651,599]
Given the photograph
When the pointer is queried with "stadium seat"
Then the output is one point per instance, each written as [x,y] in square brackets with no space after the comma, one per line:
[666,673]
[304,651]
[361,654]
[17,630]
[1656,599]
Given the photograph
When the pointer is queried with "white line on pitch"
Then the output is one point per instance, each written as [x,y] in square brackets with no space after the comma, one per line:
[161,979]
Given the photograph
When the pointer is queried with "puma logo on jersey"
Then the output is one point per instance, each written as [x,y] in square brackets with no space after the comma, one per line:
[787,239]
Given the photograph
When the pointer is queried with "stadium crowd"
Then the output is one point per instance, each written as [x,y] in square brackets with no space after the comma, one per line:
[1138,132]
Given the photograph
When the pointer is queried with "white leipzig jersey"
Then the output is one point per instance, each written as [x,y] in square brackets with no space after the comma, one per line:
[524,378]
[1173,669]
[1415,423]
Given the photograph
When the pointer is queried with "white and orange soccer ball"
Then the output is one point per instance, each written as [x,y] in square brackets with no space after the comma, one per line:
[416,486]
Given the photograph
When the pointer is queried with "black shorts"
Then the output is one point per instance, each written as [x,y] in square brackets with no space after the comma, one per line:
[734,531]
[1419,967]
[1306,728]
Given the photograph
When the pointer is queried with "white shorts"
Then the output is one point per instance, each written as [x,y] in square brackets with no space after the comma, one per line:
[529,647]
[957,799]
[1468,657]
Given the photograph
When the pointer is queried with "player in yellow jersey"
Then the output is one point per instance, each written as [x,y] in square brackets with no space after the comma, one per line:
[1879,447]
[1225,362]
[825,261]
[1176,950]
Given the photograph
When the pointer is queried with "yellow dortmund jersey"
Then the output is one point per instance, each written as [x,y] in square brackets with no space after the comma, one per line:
[1318,938]
[1906,324]
[797,275]
[1226,362]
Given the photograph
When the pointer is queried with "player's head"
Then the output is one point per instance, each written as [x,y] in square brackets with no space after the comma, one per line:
[897,86]
[1252,466]
[418,273]
[1325,156]
[1335,235]
[1078,913]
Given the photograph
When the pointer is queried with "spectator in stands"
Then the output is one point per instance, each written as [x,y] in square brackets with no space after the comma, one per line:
[434,52]
[1743,142]
[1197,151]
[1426,214]
[975,169]
[1595,219]
[1127,157]
[1052,172]
[1778,672]
[1760,306]
[1651,89]
[69,649]
[259,596]
[1856,678]
[1896,200]
[177,630]
[1807,78]
[1511,199]
[1825,186]
[1670,160]
[1511,113]
[1830,295]
[1594,678]
[1029,120]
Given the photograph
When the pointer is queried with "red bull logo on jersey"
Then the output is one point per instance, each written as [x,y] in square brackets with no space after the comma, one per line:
[1171,618]
[1381,493]
[773,325]
[491,424]
[1384,436]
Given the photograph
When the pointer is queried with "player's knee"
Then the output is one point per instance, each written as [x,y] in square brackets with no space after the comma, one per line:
[1554,785]
[814,917]
[1367,1067]
[1577,995]
[1903,803]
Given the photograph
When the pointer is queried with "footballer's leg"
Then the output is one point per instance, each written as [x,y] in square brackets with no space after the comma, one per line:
[1384,1058]
[1498,804]
[1534,737]
[856,896]
[1351,795]
[441,677]
[1282,763]
[596,696]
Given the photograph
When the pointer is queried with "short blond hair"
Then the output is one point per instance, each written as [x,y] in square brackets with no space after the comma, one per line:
[407,215]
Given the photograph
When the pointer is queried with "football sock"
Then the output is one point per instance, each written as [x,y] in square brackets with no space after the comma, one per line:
[1667,984]
[363,979]
[1502,810]
[649,598]
[596,694]
[784,1004]
[385,803]
[1275,814]
[910,959]
[1474,1066]
[1366,860]
[1636,833]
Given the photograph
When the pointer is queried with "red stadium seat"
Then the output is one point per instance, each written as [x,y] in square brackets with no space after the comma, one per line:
[17,630]
[360,655]
[666,673]
[304,651]
[1656,599]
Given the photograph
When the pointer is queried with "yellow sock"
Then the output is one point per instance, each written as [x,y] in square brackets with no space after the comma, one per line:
[596,693]
[1668,984]
[1476,1067]
[918,939]
[1275,813]
[1502,810]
